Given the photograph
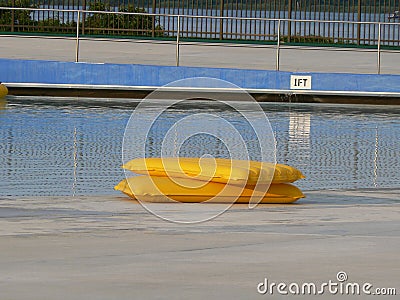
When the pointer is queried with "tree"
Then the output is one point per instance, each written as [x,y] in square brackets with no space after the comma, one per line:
[138,24]
[15,20]
[121,24]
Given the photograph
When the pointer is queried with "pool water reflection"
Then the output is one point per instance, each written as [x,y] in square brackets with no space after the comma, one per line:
[53,146]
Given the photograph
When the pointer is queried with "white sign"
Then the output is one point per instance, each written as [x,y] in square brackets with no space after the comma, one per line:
[300,82]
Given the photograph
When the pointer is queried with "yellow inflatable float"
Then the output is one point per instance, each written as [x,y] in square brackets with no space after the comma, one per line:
[210,180]
[3,90]
[216,170]
[164,189]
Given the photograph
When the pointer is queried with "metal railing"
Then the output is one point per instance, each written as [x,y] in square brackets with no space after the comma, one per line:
[245,25]
[279,38]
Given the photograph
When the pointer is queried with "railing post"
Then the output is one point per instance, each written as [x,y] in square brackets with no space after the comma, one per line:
[221,20]
[177,40]
[153,19]
[289,17]
[77,38]
[379,49]
[359,23]
[13,17]
[83,16]
[278,45]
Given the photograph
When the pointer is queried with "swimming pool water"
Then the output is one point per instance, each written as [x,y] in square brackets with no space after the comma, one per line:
[70,146]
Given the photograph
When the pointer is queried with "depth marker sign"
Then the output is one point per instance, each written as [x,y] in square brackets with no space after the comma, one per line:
[300,82]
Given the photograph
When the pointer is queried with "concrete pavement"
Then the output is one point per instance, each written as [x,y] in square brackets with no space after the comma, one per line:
[305,59]
[110,248]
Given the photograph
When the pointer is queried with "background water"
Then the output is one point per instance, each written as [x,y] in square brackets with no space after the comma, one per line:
[50,146]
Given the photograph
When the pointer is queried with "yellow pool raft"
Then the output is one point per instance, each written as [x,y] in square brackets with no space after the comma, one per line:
[3,90]
[210,180]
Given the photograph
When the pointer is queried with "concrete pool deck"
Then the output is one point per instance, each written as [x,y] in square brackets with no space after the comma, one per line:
[163,53]
[109,248]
